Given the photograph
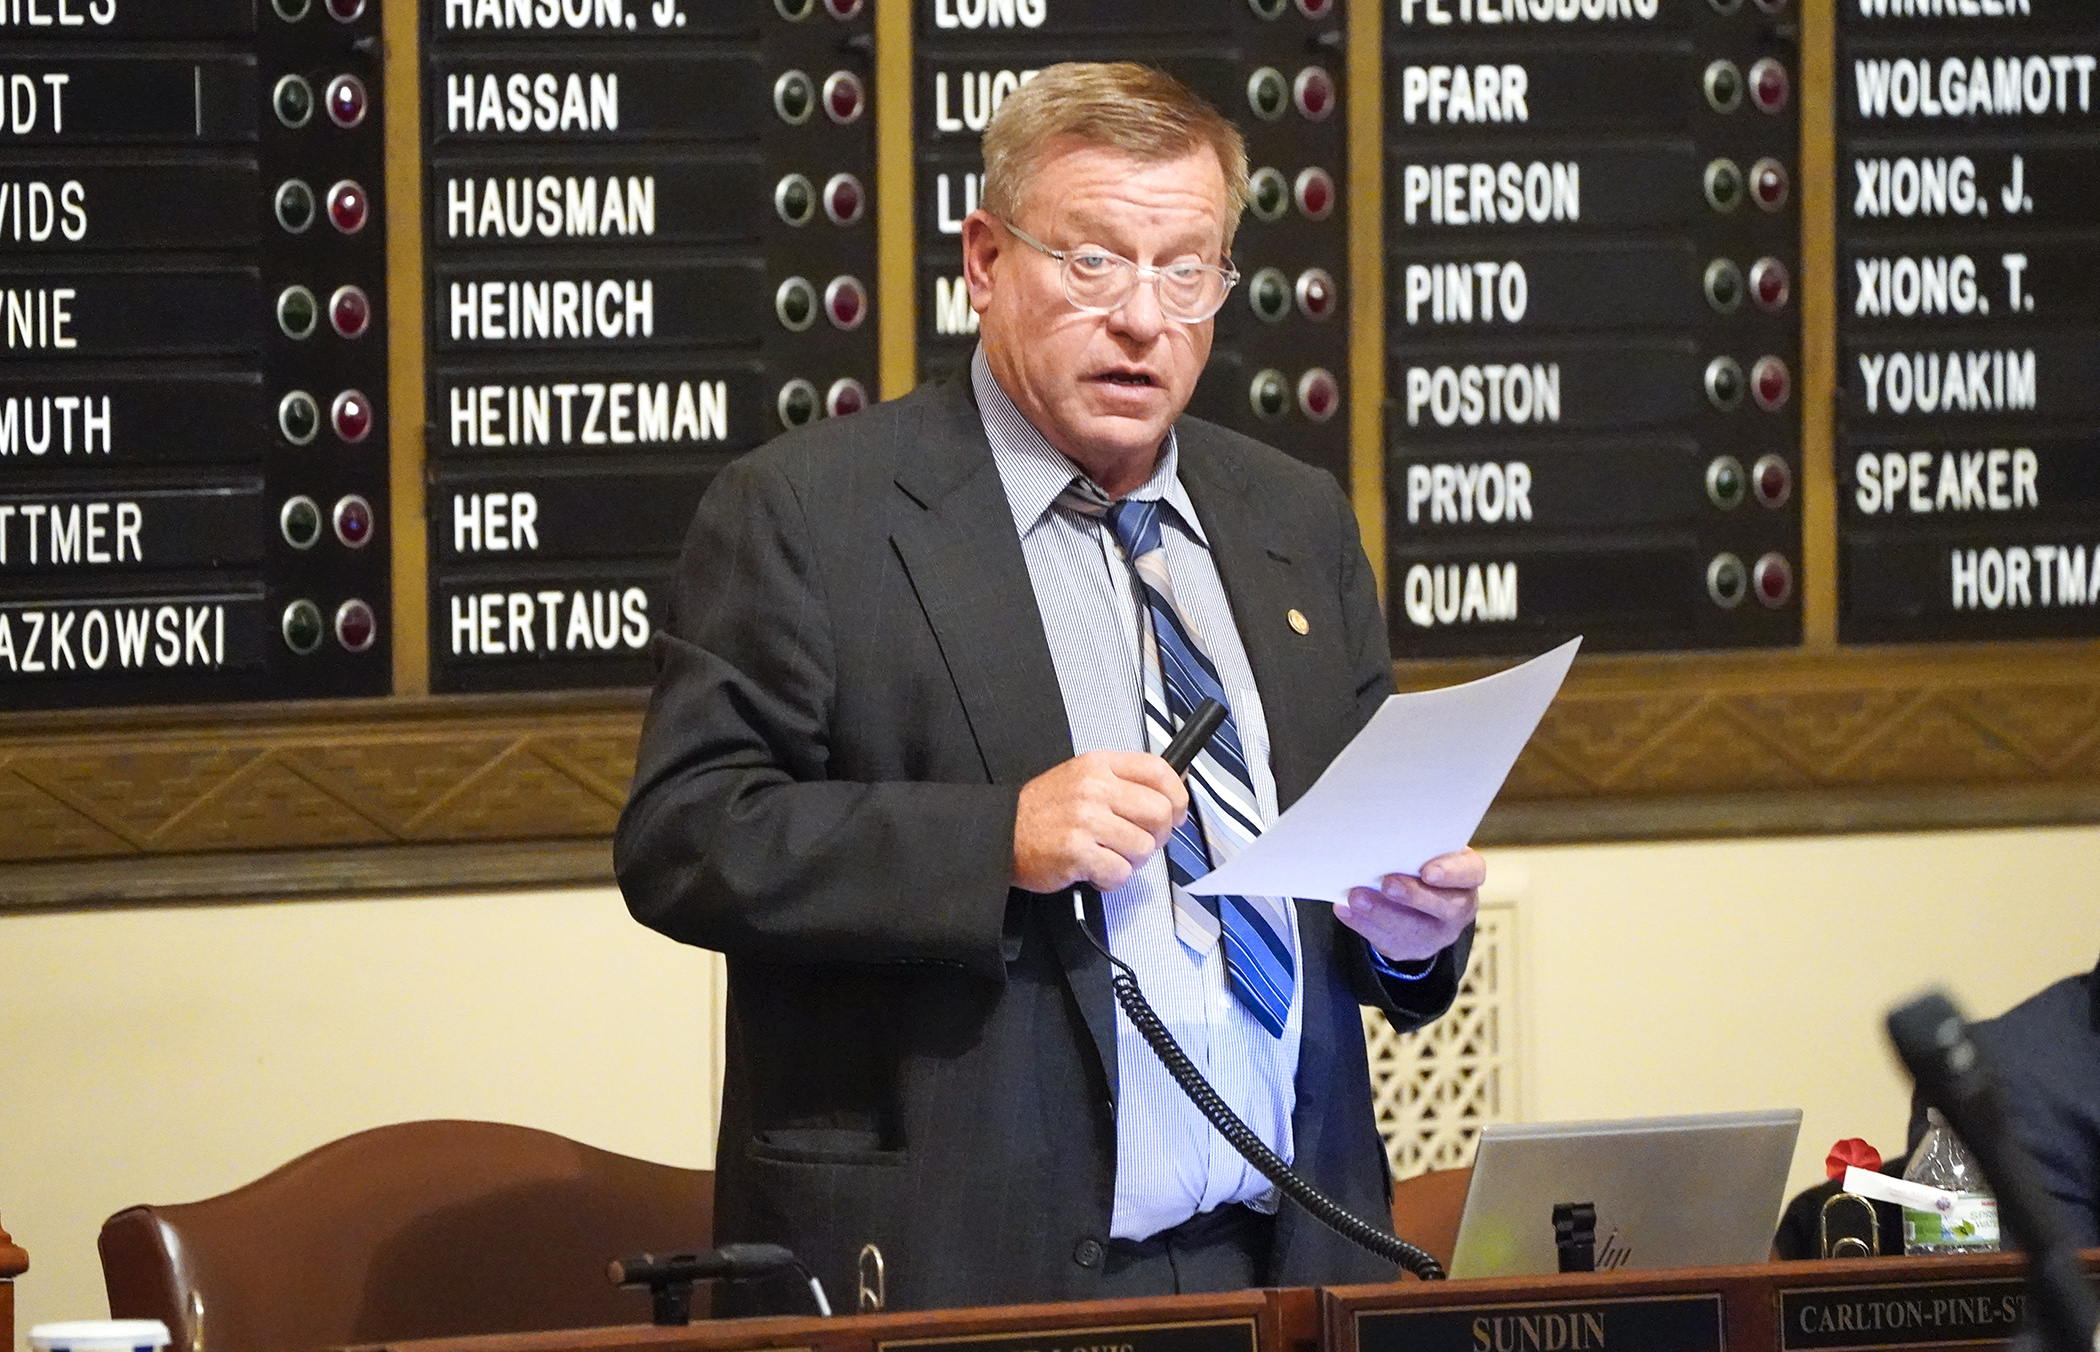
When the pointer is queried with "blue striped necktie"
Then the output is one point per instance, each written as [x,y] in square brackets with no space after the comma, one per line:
[1223,813]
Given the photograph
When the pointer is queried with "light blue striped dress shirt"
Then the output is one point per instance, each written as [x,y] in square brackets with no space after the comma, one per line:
[1171,1163]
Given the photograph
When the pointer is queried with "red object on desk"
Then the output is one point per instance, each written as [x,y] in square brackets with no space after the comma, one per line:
[1850,1152]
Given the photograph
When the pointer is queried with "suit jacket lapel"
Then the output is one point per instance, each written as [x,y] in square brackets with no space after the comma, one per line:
[955,537]
[954,534]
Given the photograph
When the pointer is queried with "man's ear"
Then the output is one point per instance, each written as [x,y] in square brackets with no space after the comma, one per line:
[981,241]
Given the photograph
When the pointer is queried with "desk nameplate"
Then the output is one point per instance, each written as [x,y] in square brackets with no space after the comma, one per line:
[1207,1335]
[1915,1314]
[1686,1323]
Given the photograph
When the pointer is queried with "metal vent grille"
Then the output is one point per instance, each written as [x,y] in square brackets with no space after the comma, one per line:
[1436,1087]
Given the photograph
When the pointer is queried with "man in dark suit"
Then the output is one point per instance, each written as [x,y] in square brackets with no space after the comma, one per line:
[889,636]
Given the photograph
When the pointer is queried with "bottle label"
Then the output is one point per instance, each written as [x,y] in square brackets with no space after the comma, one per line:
[1971,1223]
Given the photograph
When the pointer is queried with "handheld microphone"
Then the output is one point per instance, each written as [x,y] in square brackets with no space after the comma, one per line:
[1180,753]
[1952,1075]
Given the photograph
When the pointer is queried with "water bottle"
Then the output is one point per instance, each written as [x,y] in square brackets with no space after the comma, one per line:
[1970,1225]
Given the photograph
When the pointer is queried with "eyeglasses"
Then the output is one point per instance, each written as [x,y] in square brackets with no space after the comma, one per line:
[1099,282]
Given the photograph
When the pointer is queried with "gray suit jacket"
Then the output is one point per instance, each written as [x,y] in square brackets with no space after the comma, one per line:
[853,684]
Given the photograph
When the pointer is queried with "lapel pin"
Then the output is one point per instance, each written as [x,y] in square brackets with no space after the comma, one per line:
[1297,619]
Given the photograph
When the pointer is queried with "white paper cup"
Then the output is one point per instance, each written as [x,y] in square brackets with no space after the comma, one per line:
[100,1335]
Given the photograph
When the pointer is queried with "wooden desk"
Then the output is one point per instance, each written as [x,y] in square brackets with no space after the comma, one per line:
[1238,1321]
[1859,1305]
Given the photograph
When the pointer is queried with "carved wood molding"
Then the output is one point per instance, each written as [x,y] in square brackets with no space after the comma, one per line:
[434,793]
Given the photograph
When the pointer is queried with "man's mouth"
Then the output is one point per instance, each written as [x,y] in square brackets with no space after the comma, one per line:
[1130,379]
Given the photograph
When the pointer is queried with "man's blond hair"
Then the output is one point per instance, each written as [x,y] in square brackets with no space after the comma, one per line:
[1145,113]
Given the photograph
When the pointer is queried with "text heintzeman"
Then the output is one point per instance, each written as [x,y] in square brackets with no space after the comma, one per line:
[589,413]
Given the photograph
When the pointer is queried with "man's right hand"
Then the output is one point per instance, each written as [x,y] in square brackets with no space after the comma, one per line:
[1094,819]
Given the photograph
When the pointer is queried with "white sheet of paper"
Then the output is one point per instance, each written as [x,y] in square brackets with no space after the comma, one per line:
[1412,785]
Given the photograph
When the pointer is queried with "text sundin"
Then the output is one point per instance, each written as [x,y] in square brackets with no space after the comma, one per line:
[1578,1332]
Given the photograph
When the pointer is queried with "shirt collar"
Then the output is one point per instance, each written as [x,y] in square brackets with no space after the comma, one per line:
[1034,472]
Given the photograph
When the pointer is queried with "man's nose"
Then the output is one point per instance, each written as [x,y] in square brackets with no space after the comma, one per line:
[1139,316]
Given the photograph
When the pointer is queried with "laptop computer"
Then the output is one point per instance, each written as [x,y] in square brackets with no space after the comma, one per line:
[1669,1191]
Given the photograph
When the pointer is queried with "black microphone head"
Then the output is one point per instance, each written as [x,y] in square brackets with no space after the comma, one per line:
[751,1260]
[1933,1039]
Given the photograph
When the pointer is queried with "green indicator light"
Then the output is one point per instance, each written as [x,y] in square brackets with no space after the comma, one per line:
[1267,9]
[1271,194]
[295,205]
[1725,482]
[1724,285]
[1724,185]
[294,101]
[1270,294]
[297,312]
[299,417]
[1267,94]
[795,198]
[794,11]
[301,520]
[793,97]
[797,403]
[1270,395]
[291,11]
[302,627]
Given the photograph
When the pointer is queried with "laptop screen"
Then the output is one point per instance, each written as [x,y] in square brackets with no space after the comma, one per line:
[1668,1191]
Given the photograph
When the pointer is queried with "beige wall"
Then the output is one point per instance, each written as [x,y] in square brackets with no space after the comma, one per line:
[170,1054]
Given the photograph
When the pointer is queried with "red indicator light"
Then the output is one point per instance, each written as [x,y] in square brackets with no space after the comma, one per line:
[1770,383]
[1769,284]
[356,627]
[1772,578]
[1768,183]
[348,207]
[1313,91]
[845,302]
[843,199]
[346,11]
[1316,9]
[843,10]
[1771,6]
[353,521]
[1768,85]
[1318,394]
[843,97]
[350,311]
[845,396]
[352,416]
[1317,295]
[346,101]
[1315,193]
[1772,480]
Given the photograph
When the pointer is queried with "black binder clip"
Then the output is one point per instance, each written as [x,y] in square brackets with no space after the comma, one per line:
[1575,1235]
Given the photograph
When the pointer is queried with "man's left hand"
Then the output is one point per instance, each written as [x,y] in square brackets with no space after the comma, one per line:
[1408,918]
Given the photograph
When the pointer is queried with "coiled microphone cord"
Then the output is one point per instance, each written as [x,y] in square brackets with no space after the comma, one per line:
[1238,1134]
